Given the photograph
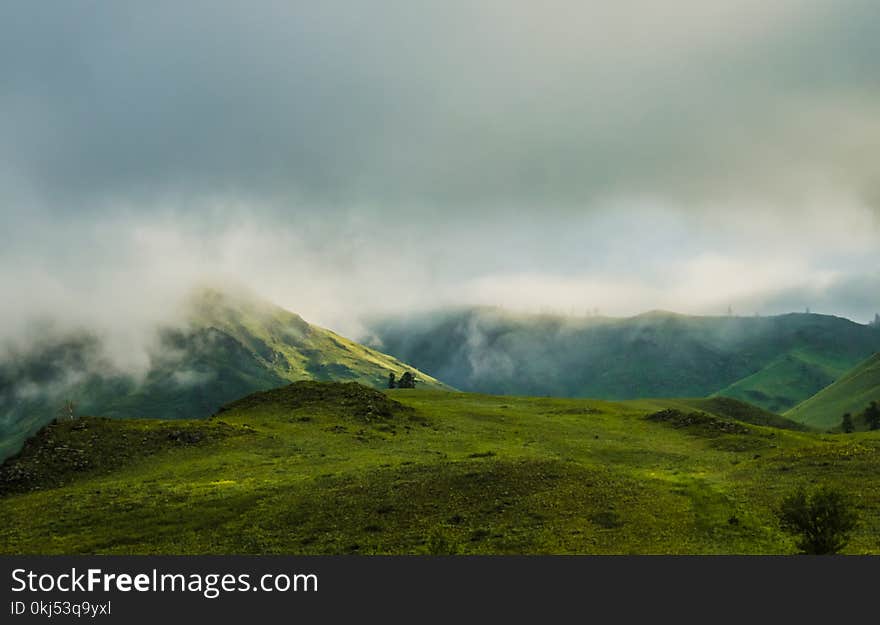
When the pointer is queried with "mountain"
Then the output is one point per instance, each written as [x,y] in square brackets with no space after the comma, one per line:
[851,393]
[226,346]
[339,468]
[773,362]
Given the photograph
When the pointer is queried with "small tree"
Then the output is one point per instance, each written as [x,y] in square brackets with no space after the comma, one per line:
[407,380]
[872,416]
[821,521]
[391,382]
[846,424]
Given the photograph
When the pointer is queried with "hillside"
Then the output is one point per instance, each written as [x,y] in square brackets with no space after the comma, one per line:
[330,468]
[225,346]
[852,393]
[782,383]
[773,362]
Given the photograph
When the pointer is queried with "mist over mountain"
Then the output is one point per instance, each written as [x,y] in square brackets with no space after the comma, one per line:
[227,345]
[390,157]
[773,362]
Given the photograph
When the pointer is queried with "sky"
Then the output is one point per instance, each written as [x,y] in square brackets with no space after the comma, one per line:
[353,158]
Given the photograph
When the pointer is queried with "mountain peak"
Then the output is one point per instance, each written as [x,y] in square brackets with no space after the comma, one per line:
[232,343]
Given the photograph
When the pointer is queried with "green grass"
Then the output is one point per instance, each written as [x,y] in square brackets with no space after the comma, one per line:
[851,393]
[317,468]
[783,383]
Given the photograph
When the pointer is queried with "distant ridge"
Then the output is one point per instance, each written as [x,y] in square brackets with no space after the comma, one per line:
[774,362]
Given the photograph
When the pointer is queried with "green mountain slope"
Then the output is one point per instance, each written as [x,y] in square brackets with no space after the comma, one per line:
[227,346]
[783,382]
[851,393]
[330,468]
[774,362]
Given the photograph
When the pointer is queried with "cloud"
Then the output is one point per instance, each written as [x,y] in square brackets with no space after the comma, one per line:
[189,377]
[458,104]
[351,158]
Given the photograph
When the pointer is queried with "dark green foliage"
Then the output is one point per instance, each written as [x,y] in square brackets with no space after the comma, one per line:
[822,522]
[846,424]
[872,415]
[391,381]
[407,380]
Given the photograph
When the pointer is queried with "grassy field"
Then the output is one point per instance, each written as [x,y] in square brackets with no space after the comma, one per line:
[332,468]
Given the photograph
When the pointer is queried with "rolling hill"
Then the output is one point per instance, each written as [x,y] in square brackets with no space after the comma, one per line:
[773,362]
[851,393]
[339,468]
[226,346]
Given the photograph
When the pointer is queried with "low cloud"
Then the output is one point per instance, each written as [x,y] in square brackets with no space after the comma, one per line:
[353,159]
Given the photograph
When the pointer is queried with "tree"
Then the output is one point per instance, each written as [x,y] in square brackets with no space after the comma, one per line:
[846,424]
[407,380]
[821,521]
[391,382]
[872,415]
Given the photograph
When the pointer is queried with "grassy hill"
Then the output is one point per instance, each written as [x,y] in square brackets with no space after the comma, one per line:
[780,385]
[851,393]
[317,468]
[774,362]
[226,346]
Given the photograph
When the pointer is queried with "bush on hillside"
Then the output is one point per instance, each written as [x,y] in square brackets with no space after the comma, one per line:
[872,415]
[822,521]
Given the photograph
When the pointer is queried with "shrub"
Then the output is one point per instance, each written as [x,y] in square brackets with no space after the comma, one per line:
[821,521]
[872,415]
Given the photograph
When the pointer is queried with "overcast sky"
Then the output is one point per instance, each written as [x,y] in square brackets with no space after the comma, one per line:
[346,158]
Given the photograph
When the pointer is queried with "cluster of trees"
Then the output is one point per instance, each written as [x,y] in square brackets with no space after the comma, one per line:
[407,380]
[870,416]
